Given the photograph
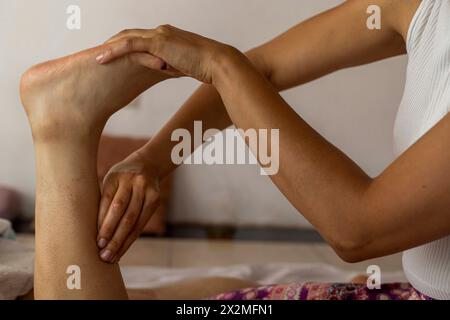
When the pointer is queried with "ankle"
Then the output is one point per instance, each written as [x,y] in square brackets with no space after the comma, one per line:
[50,125]
[53,131]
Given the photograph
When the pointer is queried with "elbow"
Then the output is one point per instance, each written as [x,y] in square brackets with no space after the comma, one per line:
[352,238]
[351,248]
[351,255]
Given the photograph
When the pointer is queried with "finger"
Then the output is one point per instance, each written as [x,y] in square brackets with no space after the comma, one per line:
[132,238]
[149,61]
[110,186]
[129,33]
[125,227]
[128,243]
[115,212]
[152,203]
[123,47]
[155,63]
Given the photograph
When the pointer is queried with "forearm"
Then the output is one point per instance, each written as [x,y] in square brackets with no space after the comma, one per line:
[318,179]
[204,105]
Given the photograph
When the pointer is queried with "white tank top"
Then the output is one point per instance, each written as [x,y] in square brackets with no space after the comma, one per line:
[425,102]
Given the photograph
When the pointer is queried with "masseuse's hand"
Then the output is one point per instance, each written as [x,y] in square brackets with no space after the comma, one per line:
[130,196]
[184,53]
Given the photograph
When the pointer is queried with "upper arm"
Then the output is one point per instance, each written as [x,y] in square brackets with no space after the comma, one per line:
[333,40]
[409,203]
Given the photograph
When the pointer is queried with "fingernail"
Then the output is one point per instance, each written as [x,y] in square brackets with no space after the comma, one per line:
[100,58]
[102,243]
[107,255]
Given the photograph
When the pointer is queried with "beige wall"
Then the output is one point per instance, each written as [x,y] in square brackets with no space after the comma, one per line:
[354,108]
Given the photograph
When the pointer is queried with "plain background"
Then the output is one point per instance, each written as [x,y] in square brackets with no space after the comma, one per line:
[354,109]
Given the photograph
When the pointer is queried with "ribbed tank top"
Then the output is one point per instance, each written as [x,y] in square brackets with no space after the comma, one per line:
[426,101]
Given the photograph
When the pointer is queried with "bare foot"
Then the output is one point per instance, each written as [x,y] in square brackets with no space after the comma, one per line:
[192,289]
[75,95]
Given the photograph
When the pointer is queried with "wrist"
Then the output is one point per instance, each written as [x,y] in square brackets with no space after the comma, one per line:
[226,64]
[150,161]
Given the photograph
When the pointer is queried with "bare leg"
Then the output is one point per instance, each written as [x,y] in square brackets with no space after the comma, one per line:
[68,102]
[193,289]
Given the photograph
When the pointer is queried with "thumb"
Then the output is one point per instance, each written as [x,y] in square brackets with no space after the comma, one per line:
[150,61]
